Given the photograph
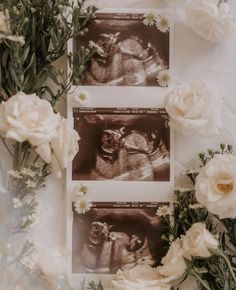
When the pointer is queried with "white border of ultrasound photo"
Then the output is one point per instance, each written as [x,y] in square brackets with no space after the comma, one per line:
[110,190]
[166,12]
[105,191]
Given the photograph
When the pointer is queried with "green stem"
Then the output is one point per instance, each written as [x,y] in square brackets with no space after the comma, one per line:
[195,274]
[17,156]
[229,266]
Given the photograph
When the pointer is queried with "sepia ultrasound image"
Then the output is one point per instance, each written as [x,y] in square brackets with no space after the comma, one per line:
[113,236]
[129,53]
[123,144]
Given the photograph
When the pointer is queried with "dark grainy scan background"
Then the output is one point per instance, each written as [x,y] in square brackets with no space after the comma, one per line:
[130,53]
[114,236]
[128,144]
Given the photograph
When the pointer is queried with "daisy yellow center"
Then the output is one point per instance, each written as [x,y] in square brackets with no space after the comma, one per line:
[165,78]
[83,204]
[165,210]
[150,17]
[82,97]
[164,22]
[83,189]
[225,184]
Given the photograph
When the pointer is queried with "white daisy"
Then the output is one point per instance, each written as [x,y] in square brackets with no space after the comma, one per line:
[162,23]
[82,205]
[14,173]
[30,184]
[80,190]
[17,202]
[81,98]
[149,19]
[164,211]
[163,78]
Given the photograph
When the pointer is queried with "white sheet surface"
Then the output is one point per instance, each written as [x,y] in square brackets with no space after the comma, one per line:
[194,58]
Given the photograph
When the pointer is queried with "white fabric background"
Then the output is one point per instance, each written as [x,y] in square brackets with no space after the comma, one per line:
[194,58]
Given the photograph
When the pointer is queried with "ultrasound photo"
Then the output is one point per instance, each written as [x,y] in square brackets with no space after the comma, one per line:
[129,53]
[113,236]
[122,144]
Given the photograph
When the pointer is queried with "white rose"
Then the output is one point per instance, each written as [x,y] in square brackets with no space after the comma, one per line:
[29,118]
[195,108]
[210,20]
[139,277]
[198,240]
[216,186]
[173,264]
[64,145]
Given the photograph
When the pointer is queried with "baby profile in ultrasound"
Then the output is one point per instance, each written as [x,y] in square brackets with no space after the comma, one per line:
[128,52]
[122,147]
[126,62]
[105,241]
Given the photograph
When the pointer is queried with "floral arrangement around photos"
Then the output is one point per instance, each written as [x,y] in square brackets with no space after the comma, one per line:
[200,227]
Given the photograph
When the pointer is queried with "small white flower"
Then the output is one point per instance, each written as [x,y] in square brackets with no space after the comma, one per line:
[15,174]
[185,188]
[163,78]
[31,184]
[164,211]
[28,172]
[149,19]
[80,190]
[81,98]
[30,262]
[196,206]
[163,23]
[17,202]
[82,205]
